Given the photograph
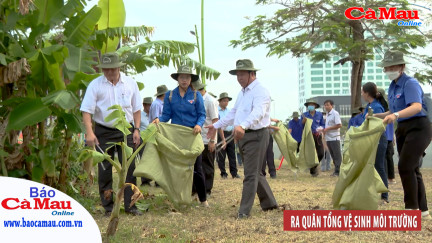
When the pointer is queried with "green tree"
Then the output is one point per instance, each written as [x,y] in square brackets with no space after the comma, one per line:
[48,53]
[299,26]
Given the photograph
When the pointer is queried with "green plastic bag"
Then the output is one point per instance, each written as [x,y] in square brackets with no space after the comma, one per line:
[287,145]
[307,156]
[170,161]
[359,185]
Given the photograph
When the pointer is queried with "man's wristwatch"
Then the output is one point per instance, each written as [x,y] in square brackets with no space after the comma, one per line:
[396,115]
[212,140]
[137,128]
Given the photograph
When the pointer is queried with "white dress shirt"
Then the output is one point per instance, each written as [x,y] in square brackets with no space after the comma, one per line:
[251,110]
[102,94]
[212,112]
[332,119]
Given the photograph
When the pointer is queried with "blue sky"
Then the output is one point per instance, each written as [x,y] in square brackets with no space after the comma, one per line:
[224,19]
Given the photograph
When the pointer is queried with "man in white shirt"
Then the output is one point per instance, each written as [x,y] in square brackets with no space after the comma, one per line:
[229,149]
[332,134]
[251,119]
[113,88]
[156,107]
[208,155]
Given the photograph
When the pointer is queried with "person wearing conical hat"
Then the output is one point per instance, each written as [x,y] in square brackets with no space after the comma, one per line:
[157,105]
[413,135]
[184,106]
[112,88]
[317,122]
[229,150]
[208,155]
[295,127]
[251,119]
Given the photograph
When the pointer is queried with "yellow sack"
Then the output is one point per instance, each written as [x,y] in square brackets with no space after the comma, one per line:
[170,161]
[307,154]
[359,185]
[287,145]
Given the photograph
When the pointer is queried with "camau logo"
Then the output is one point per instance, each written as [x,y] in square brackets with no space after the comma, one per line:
[410,16]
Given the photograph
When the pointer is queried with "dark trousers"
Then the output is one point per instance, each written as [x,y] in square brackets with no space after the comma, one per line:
[105,135]
[253,148]
[320,152]
[269,160]
[389,160]
[208,159]
[335,152]
[380,162]
[413,136]
[230,151]
[199,179]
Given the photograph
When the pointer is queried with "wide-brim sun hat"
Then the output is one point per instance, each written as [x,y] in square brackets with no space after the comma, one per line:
[224,95]
[312,101]
[392,58]
[243,65]
[110,60]
[185,70]
[160,90]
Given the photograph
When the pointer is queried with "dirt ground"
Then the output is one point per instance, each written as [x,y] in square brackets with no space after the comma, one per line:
[163,223]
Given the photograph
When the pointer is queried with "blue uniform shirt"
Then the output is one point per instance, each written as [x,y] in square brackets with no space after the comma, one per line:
[402,94]
[184,111]
[297,129]
[390,132]
[356,121]
[317,120]
[376,107]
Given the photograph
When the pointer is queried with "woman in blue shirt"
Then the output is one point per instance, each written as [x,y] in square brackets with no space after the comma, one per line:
[413,133]
[377,103]
[185,106]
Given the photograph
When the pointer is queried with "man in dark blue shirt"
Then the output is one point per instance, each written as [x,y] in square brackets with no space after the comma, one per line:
[295,127]
[317,121]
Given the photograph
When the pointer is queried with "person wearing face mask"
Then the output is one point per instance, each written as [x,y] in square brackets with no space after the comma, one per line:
[377,103]
[317,121]
[184,106]
[413,133]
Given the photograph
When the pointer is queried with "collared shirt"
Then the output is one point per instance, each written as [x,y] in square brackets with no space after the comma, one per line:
[251,110]
[222,114]
[332,119]
[144,121]
[184,110]
[390,132]
[155,109]
[296,129]
[102,94]
[402,94]
[356,121]
[317,120]
[211,108]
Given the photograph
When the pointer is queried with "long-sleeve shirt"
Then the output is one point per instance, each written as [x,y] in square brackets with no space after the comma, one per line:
[317,120]
[184,110]
[251,110]
[296,129]
[144,121]
[155,109]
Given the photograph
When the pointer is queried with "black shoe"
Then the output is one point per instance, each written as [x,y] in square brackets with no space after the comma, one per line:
[134,212]
[335,174]
[242,216]
[107,214]
[273,176]
[236,176]
[224,176]
[270,208]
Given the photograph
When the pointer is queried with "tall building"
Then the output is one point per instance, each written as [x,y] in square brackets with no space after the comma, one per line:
[326,79]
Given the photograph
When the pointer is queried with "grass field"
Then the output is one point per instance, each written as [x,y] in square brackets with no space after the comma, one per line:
[163,223]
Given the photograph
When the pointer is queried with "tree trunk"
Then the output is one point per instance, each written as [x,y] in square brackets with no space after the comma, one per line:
[64,165]
[358,63]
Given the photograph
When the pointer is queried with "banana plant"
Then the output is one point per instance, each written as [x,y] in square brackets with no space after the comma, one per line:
[148,136]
